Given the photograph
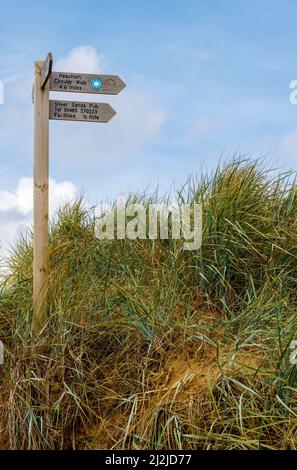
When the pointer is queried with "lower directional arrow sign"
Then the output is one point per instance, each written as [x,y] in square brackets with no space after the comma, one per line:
[80,111]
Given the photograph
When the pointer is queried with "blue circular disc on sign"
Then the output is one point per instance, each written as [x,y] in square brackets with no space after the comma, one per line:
[96,83]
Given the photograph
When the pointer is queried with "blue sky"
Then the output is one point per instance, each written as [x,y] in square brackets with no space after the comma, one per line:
[204,78]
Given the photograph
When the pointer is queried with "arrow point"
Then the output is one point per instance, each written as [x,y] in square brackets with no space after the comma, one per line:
[122,83]
[112,112]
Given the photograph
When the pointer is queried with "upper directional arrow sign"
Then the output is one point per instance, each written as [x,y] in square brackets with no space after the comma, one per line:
[80,111]
[86,83]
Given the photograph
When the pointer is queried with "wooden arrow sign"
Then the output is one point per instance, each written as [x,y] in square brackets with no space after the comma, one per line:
[80,111]
[86,83]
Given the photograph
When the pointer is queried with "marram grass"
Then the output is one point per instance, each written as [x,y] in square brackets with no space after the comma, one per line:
[150,347]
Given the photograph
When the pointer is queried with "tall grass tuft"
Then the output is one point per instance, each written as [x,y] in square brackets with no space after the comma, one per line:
[150,347]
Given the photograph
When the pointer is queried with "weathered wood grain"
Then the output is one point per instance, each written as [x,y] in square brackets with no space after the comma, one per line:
[41,205]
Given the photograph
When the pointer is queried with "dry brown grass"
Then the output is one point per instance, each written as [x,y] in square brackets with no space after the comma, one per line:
[149,347]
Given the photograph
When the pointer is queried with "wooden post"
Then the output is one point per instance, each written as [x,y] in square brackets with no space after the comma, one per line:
[41,198]
[45,81]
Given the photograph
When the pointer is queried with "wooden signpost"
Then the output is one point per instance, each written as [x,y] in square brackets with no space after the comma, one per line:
[45,81]
[40,196]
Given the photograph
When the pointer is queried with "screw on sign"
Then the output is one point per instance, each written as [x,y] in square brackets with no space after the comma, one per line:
[45,109]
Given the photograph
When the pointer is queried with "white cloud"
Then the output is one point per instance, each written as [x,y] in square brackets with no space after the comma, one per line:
[84,59]
[20,200]
[16,206]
